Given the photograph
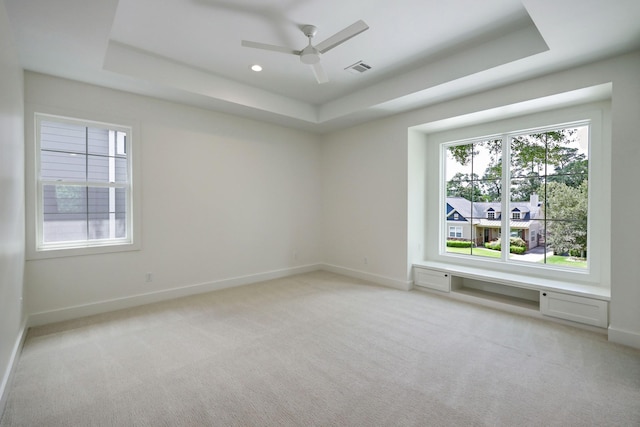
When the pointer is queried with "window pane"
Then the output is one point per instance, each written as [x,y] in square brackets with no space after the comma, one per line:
[107,169]
[568,155]
[527,190]
[563,202]
[63,166]
[458,162]
[490,190]
[474,191]
[566,242]
[65,137]
[528,156]
[107,213]
[121,171]
[65,213]
[98,141]
[98,169]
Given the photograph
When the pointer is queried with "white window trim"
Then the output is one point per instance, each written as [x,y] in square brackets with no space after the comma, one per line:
[598,114]
[34,208]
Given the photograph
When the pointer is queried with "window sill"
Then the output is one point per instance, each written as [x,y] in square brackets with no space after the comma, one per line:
[33,255]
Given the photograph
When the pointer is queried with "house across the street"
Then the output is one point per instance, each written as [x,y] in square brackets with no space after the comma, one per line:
[480,222]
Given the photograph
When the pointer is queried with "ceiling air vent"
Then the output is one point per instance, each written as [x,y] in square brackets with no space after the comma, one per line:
[358,68]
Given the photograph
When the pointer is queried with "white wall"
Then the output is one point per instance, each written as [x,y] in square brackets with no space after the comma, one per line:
[225,201]
[365,172]
[365,202]
[11,203]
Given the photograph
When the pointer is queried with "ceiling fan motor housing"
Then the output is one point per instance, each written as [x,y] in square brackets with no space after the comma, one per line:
[310,55]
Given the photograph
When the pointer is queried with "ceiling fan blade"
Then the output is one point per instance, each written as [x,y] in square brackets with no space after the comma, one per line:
[342,36]
[271,47]
[318,71]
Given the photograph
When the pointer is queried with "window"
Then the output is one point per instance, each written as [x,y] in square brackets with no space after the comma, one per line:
[455,231]
[541,177]
[84,184]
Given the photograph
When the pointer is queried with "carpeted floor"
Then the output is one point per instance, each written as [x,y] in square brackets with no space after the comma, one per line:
[320,349]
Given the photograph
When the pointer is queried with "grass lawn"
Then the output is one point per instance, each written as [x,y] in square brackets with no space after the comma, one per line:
[476,251]
[566,261]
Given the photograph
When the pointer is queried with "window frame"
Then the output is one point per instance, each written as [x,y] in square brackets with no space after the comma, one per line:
[36,247]
[598,114]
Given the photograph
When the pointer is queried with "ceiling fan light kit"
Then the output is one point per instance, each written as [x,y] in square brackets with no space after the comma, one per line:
[311,55]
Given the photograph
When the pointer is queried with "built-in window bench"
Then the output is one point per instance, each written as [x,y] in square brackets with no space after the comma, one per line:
[584,304]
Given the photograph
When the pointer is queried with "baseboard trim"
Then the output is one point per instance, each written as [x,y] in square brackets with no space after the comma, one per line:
[403,285]
[68,313]
[624,337]
[10,369]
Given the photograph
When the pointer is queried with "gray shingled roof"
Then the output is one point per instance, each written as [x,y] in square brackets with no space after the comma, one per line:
[464,207]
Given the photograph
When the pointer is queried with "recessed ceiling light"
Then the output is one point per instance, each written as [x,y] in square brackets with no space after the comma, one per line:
[257,68]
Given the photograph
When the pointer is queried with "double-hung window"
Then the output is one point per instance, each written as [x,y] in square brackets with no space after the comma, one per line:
[84,184]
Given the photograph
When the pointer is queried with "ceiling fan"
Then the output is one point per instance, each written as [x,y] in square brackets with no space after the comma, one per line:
[311,54]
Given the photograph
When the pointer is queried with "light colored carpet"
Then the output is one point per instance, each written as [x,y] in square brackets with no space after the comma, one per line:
[320,349]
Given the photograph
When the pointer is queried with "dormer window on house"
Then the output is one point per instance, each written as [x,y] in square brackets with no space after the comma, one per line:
[491,215]
[515,215]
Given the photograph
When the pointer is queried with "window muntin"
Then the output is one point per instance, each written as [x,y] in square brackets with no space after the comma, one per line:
[83,184]
[547,183]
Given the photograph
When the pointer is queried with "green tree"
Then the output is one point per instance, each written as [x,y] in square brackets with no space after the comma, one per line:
[492,182]
[464,185]
[532,152]
[545,154]
[566,212]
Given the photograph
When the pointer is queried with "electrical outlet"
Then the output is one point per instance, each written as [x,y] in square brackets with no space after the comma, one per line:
[148,277]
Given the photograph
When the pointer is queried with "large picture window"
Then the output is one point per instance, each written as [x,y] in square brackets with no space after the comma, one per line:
[83,183]
[520,197]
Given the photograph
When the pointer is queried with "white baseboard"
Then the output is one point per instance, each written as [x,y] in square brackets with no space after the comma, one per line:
[67,313]
[10,368]
[628,338]
[403,285]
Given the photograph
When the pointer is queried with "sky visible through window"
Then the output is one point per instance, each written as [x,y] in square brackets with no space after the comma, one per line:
[481,160]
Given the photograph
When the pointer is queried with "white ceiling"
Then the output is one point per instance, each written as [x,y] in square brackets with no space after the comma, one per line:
[421,51]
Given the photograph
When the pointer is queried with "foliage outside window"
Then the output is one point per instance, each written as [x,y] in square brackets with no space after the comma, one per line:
[84,184]
[538,180]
